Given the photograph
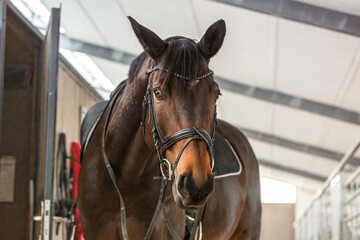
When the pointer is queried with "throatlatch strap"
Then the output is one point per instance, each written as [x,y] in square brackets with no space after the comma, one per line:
[122,204]
[111,171]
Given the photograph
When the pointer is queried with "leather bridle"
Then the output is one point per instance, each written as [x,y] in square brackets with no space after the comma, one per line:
[161,144]
[167,169]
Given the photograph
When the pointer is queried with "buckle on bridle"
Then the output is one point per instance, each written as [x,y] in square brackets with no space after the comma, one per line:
[152,69]
[166,169]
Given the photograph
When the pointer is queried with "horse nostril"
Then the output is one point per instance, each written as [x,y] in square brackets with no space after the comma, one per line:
[183,182]
[187,187]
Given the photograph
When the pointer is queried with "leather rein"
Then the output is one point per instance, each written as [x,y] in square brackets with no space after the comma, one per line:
[167,169]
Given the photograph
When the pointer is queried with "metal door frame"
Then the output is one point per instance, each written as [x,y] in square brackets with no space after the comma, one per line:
[51,50]
[3,8]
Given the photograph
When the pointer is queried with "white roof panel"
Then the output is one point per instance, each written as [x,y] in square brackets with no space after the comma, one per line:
[340,136]
[76,22]
[350,98]
[112,25]
[299,126]
[245,112]
[166,18]
[313,62]
[247,52]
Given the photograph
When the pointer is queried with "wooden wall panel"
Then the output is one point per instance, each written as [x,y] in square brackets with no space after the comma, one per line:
[18,126]
[71,97]
[16,138]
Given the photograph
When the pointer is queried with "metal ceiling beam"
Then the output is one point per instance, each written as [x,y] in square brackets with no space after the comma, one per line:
[288,100]
[273,96]
[304,13]
[294,171]
[96,50]
[302,147]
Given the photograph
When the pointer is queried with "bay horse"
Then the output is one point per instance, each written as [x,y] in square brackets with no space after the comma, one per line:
[165,116]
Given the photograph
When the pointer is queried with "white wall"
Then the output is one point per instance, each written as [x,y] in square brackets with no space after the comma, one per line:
[276,222]
[304,197]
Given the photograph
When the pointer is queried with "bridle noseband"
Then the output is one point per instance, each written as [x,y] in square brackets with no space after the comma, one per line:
[167,169]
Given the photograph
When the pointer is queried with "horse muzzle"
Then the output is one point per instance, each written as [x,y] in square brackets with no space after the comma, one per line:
[188,195]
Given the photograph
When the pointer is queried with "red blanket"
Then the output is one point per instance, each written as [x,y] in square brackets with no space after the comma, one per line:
[75,167]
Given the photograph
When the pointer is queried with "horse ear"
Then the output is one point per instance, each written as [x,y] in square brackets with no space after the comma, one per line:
[212,40]
[152,43]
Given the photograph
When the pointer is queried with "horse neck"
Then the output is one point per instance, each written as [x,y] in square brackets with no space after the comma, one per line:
[126,147]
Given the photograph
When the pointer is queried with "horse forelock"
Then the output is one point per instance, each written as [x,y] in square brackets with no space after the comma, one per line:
[181,57]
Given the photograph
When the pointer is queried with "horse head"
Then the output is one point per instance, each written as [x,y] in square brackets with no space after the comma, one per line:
[179,121]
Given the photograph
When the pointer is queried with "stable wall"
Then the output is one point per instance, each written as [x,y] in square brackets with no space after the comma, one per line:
[304,198]
[72,96]
[18,126]
[276,221]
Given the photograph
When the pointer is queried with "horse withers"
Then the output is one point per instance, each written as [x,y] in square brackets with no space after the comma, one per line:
[160,128]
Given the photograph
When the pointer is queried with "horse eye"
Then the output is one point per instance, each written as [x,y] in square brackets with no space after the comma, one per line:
[217,95]
[158,94]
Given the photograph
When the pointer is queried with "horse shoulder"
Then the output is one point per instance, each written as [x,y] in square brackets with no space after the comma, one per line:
[249,225]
